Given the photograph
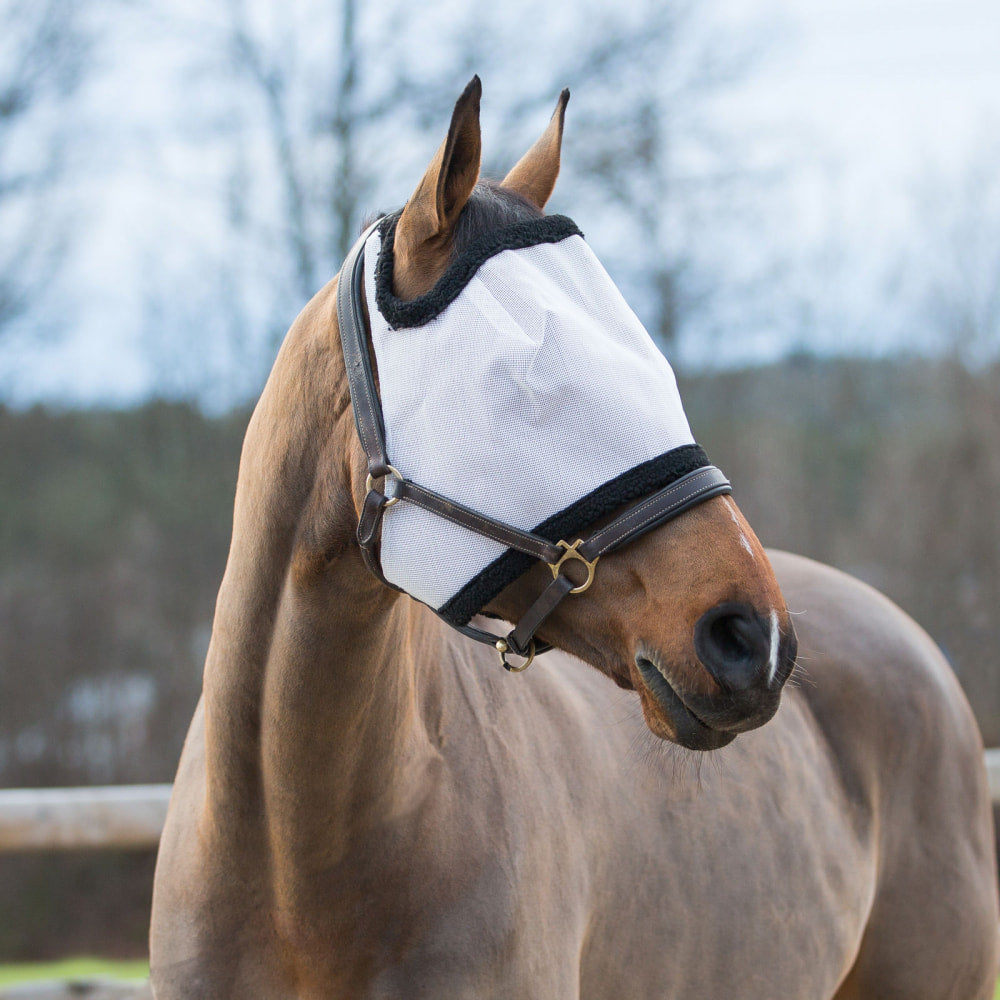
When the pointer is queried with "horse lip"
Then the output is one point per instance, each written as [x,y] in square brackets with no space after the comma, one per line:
[691,731]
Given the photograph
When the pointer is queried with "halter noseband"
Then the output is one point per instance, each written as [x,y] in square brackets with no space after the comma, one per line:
[663,505]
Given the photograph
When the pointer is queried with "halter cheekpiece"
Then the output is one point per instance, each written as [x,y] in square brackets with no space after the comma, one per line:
[476,550]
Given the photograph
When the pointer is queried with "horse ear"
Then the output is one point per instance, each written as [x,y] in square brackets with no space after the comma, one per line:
[535,175]
[432,211]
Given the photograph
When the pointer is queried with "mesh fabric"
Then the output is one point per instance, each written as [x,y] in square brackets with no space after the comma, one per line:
[535,386]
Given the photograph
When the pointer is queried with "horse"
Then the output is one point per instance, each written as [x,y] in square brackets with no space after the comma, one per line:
[367,806]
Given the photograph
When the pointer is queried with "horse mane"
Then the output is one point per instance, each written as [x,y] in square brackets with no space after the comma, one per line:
[490,207]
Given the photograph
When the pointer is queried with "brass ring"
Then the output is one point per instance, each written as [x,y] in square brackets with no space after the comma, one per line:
[370,481]
[503,649]
[573,553]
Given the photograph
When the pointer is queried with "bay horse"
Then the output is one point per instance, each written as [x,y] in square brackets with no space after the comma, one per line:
[366,806]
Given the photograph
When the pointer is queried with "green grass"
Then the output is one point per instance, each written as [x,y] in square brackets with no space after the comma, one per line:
[73,968]
[85,968]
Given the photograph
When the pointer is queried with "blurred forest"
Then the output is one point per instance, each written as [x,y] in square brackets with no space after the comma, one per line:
[177,179]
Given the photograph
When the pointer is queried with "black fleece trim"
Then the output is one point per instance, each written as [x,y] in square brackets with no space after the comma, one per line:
[639,481]
[416,312]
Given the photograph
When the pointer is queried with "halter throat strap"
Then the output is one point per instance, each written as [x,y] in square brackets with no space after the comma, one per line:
[649,513]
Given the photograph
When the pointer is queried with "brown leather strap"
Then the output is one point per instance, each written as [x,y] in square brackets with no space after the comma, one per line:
[368,534]
[354,342]
[664,505]
[364,399]
[531,621]
[491,639]
[506,534]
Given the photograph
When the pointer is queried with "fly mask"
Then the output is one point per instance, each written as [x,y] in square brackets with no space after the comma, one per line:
[521,401]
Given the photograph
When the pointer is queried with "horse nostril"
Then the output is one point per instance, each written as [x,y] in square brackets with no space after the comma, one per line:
[734,645]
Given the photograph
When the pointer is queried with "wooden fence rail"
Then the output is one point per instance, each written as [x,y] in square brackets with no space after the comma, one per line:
[993,770]
[131,816]
[127,816]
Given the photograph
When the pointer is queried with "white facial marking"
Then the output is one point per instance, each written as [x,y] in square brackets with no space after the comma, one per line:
[743,538]
[772,665]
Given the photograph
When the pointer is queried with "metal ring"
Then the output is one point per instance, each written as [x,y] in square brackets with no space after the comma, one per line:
[503,649]
[370,481]
[572,553]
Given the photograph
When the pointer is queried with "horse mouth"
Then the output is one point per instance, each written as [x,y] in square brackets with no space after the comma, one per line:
[690,730]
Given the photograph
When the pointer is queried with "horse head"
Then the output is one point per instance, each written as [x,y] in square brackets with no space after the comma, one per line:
[688,614]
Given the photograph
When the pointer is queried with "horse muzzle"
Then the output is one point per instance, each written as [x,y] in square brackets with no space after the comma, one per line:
[748,658]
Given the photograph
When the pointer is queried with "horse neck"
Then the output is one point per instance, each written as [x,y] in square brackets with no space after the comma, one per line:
[311,703]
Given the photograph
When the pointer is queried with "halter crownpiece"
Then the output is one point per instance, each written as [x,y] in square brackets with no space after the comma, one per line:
[521,402]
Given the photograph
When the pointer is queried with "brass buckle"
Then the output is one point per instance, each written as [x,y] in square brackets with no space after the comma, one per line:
[503,649]
[572,553]
[370,482]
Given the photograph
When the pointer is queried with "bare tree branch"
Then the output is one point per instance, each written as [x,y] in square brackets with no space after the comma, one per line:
[44,51]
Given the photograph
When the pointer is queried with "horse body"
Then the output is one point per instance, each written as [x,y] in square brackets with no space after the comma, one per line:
[550,849]
[368,807]
[390,815]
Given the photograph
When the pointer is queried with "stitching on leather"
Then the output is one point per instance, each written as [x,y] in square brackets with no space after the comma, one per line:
[546,609]
[683,488]
[625,519]
[488,529]
[366,380]
[351,343]
[467,512]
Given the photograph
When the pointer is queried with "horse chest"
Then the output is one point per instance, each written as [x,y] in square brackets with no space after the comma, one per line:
[747,876]
[654,878]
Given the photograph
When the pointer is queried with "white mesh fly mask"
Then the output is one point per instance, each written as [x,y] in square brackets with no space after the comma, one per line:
[520,393]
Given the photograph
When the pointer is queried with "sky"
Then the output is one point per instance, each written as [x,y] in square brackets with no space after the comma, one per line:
[875,91]
[855,100]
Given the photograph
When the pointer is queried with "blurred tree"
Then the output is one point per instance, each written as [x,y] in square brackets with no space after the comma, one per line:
[954,260]
[44,51]
[941,545]
[113,539]
[332,111]
[309,118]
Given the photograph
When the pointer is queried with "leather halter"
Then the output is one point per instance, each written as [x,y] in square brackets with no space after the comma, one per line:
[657,508]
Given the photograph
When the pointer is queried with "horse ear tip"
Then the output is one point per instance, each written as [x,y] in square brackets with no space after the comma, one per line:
[560,110]
[473,90]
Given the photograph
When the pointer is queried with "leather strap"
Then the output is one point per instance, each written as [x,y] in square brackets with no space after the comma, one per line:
[368,534]
[662,506]
[506,534]
[491,639]
[364,398]
[519,639]
[354,341]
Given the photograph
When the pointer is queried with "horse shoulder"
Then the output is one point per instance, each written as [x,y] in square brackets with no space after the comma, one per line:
[908,752]
[872,677]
